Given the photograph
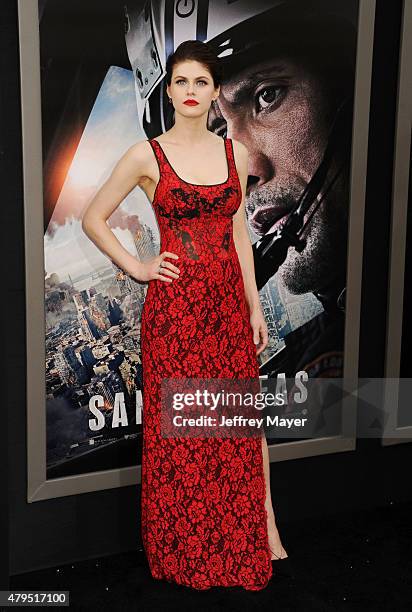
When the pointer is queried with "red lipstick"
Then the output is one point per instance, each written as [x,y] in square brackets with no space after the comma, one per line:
[191,102]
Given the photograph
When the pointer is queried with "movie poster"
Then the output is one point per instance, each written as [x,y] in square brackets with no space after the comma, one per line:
[287,95]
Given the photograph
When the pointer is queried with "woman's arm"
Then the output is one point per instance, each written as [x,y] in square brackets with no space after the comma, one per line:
[244,250]
[124,177]
[127,173]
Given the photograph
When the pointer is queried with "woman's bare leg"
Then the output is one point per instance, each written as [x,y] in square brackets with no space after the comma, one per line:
[275,543]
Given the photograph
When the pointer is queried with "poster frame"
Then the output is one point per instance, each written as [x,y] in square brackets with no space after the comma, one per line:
[392,432]
[38,486]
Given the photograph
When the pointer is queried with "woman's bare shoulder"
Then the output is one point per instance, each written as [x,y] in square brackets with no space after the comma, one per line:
[140,157]
[239,148]
[140,151]
[241,155]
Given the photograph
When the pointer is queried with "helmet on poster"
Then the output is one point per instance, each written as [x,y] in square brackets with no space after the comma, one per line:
[154,29]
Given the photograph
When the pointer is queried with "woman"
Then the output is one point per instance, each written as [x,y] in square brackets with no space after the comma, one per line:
[207,515]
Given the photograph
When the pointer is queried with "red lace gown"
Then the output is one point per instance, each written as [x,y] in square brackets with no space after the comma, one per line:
[203,518]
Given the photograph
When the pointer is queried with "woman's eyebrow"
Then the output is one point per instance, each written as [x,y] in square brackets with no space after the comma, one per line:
[180,76]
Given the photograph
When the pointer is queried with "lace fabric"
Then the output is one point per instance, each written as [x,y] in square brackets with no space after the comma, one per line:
[204,521]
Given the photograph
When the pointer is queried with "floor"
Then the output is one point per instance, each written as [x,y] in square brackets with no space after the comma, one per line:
[347,562]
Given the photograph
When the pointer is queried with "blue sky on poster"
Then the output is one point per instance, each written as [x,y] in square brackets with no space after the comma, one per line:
[110,130]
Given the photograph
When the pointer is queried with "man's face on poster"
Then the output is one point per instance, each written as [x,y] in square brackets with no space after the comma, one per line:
[281,110]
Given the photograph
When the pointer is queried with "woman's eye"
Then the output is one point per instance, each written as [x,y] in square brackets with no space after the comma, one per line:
[267,96]
[183,81]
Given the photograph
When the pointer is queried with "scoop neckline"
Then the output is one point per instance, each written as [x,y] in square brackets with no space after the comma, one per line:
[199,184]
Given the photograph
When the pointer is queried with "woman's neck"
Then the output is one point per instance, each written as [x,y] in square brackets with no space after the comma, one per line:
[189,131]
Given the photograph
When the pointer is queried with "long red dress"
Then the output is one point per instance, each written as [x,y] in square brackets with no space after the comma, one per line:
[203,520]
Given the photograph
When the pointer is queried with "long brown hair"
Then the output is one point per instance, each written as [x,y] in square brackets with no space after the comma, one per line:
[198,51]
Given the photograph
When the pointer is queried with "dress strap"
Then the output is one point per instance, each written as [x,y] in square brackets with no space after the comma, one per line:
[231,158]
[162,161]
[161,156]
[229,154]
[157,149]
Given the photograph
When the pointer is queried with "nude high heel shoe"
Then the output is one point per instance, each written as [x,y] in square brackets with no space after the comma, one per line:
[282,566]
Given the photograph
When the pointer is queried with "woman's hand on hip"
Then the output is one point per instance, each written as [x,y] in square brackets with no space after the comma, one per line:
[156,268]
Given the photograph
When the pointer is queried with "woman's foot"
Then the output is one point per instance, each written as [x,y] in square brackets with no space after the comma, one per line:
[281,565]
[278,553]
[275,545]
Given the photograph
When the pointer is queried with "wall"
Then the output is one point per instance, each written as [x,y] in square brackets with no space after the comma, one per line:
[52,532]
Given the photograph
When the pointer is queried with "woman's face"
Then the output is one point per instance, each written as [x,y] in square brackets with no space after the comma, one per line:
[191,79]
